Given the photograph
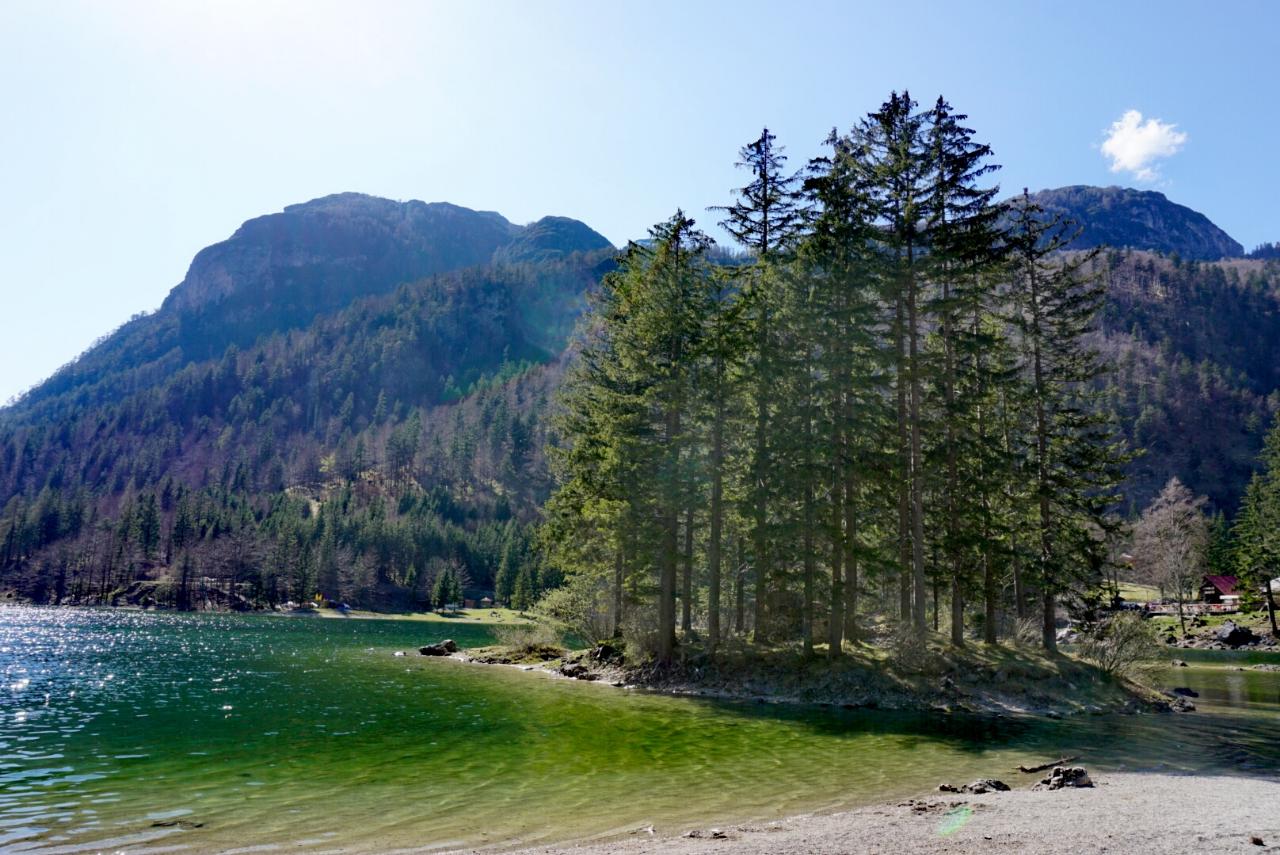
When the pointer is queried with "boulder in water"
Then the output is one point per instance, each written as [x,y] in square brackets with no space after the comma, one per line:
[444,648]
[577,671]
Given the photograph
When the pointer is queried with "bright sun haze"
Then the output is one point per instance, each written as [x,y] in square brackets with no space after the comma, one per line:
[139,132]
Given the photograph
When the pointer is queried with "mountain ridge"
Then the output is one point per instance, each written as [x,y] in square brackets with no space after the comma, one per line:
[328,250]
[286,269]
[305,383]
[1126,218]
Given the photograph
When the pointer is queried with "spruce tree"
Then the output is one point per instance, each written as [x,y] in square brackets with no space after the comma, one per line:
[765,220]
[835,260]
[634,399]
[891,151]
[1256,530]
[961,222]
[1075,454]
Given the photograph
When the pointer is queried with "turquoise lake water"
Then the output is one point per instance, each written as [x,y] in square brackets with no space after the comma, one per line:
[173,732]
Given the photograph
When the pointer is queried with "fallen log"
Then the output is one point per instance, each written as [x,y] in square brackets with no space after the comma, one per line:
[1031,769]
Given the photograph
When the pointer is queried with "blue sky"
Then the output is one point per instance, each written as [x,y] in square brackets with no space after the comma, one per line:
[136,133]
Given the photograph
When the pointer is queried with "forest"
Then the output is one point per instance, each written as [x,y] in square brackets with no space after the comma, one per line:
[894,402]
[894,395]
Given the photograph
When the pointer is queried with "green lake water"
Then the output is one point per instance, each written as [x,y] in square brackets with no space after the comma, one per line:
[127,730]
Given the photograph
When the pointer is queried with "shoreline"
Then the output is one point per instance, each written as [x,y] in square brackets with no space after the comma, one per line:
[1025,683]
[1138,812]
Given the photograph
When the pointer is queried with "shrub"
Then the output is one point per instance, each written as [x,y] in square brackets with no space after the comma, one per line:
[581,606]
[527,637]
[909,652]
[1028,631]
[640,630]
[1124,646]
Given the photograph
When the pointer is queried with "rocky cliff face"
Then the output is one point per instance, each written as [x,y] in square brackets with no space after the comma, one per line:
[1138,219]
[283,270]
[350,244]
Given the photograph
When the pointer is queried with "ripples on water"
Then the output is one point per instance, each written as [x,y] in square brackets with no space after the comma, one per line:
[148,730]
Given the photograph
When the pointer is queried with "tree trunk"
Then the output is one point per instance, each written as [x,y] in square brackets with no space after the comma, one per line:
[1050,628]
[739,573]
[957,612]
[936,597]
[713,544]
[807,516]
[806,631]
[989,635]
[1019,584]
[954,560]
[669,554]
[619,567]
[1271,607]
[758,633]
[686,587]
[850,557]
[759,533]
[904,464]
[917,455]
[835,621]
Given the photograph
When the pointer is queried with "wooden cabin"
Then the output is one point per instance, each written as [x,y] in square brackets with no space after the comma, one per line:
[1219,590]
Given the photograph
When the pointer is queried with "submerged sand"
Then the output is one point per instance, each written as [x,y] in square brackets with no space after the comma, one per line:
[1123,813]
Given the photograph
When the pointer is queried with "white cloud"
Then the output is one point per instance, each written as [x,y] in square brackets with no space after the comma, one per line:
[1134,145]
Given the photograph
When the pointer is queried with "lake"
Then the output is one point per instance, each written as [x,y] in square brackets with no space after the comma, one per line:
[213,732]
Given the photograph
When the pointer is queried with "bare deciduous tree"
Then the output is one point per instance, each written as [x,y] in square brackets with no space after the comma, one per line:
[1169,543]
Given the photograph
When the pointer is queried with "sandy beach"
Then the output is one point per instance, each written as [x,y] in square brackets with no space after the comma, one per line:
[1122,813]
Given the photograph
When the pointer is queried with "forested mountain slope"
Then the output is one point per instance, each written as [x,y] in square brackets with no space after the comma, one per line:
[321,360]
[354,394]
[282,271]
[1196,352]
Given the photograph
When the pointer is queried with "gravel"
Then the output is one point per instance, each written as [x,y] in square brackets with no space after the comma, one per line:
[1122,813]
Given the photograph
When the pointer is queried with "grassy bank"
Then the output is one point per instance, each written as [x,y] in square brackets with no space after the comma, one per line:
[496,616]
[977,678]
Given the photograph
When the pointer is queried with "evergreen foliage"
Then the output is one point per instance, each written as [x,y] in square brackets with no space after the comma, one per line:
[856,406]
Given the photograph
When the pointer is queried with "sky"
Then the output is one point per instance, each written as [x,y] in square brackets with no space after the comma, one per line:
[135,133]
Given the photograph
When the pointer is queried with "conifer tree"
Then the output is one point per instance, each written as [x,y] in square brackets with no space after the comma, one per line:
[720,356]
[963,253]
[1256,530]
[891,151]
[1075,455]
[639,395]
[765,220]
[835,261]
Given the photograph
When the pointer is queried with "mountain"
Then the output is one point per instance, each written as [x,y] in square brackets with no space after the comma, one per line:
[310,367]
[354,394]
[1123,218]
[1195,348]
[326,251]
[282,271]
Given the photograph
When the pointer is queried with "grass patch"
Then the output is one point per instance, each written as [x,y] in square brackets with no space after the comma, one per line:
[522,644]
[493,617]
[1135,593]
